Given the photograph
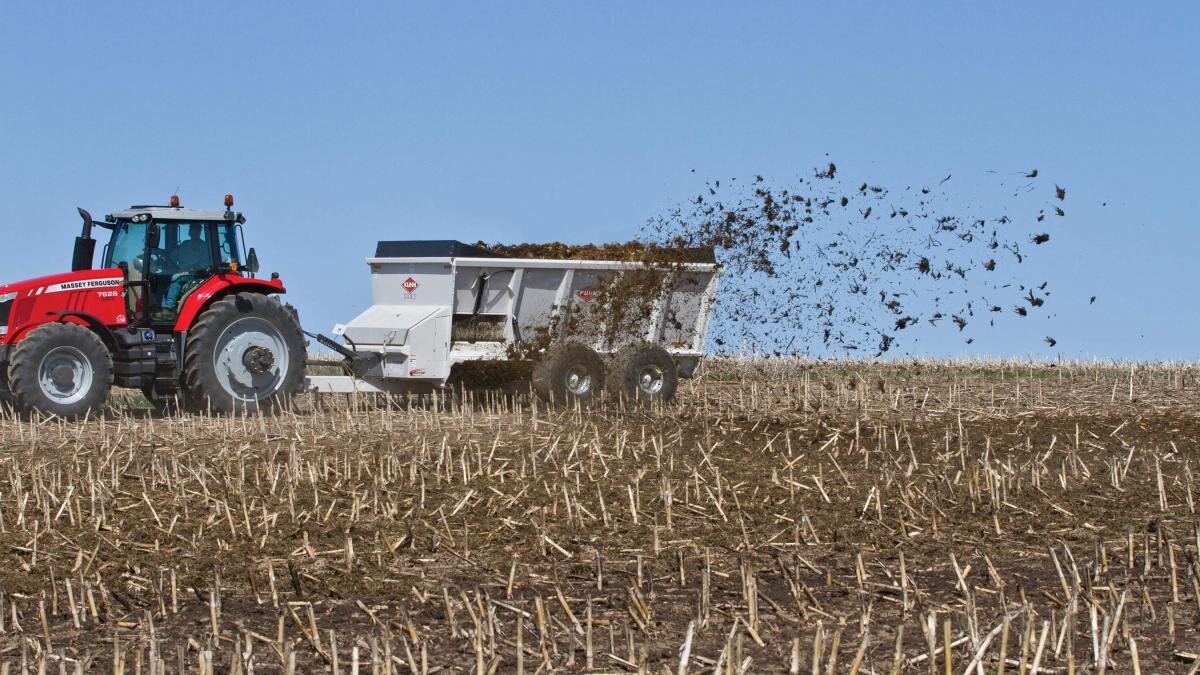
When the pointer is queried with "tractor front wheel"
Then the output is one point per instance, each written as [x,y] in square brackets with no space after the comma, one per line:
[60,369]
[245,353]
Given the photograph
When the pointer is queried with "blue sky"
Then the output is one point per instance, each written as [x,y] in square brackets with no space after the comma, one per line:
[338,124]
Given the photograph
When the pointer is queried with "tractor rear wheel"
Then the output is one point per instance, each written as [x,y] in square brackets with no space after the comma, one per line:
[60,369]
[569,372]
[244,354]
[643,373]
[6,399]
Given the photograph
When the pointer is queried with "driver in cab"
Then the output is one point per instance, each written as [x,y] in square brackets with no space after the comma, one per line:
[192,256]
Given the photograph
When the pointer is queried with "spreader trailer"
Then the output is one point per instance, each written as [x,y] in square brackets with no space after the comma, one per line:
[440,304]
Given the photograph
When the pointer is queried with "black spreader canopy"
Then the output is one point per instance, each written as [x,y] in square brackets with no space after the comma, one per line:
[432,248]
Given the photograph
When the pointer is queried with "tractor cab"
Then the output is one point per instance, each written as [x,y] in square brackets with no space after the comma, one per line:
[167,252]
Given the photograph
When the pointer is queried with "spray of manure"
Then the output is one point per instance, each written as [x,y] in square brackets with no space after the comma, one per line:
[823,264]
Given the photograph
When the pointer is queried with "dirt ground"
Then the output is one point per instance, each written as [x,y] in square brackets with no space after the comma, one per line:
[781,516]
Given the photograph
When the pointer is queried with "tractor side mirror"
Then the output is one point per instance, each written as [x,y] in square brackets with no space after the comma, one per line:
[252,261]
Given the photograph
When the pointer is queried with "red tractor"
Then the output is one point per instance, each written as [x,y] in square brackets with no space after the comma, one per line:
[175,309]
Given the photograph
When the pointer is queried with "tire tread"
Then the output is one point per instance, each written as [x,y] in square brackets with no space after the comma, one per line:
[624,367]
[22,368]
[548,374]
[200,391]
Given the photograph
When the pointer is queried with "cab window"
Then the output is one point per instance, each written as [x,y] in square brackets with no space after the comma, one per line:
[185,248]
[127,249]
[127,246]
[227,245]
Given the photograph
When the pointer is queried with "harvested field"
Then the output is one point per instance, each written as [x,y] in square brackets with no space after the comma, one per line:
[782,516]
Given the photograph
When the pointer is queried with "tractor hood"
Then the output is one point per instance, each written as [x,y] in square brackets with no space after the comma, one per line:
[67,281]
[34,301]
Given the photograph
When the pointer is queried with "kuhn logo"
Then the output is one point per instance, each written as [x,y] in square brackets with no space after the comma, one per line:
[410,285]
[586,294]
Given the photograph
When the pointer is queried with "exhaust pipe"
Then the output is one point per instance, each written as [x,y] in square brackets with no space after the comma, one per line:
[85,246]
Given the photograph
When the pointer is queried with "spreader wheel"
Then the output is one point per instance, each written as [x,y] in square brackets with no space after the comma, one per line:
[568,373]
[643,373]
[61,369]
[245,353]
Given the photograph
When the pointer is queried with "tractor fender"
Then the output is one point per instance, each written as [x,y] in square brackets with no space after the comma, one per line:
[102,331]
[84,319]
[218,287]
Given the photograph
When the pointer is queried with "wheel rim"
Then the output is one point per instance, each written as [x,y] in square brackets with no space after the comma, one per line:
[251,360]
[579,380]
[65,375]
[650,379]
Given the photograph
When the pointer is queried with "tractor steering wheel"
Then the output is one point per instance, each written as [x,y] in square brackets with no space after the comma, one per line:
[157,259]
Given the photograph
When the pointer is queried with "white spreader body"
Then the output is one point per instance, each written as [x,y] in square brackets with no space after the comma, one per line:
[441,303]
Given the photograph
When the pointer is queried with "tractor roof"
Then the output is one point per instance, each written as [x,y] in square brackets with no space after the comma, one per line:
[173,213]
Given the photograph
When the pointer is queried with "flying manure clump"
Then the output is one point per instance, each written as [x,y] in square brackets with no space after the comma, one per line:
[849,266]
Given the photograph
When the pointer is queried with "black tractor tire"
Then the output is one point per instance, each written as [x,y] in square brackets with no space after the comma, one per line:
[569,373]
[643,374]
[244,354]
[60,369]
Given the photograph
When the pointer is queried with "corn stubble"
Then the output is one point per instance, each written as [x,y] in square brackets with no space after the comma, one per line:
[783,516]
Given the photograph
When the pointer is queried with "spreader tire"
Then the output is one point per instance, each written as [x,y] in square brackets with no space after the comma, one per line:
[569,373]
[643,373]
[60,369]
[244,354]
